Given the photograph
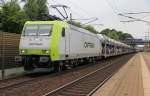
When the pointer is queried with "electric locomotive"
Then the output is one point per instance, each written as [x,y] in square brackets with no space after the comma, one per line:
[56,45]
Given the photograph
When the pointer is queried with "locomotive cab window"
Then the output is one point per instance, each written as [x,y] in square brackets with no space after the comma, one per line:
[63,32]
[38,30]
[45,30]
[30,30]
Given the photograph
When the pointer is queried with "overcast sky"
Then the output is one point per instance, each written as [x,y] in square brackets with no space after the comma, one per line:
[106,11]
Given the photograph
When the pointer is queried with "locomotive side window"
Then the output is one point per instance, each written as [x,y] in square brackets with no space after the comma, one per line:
[63,32]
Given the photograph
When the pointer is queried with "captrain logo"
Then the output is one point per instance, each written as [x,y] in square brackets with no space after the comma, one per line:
[88,45]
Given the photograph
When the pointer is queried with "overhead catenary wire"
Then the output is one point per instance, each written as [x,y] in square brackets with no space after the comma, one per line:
[81,13]
[84,20]
[137,13]
[75,6]
[125,26]
[116,11]
[133,18]
[81,10]
[85,13]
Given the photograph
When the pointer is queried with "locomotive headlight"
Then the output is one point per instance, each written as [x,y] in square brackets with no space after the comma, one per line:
[22,51]
[47,51]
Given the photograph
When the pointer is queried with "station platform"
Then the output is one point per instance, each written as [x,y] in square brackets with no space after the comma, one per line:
[133,79]
[12,72]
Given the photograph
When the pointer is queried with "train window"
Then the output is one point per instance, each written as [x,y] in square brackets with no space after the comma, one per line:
[45,30]
[38,30]
[63,32]
[31,30]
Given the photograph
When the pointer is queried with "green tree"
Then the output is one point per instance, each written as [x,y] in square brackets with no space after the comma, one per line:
[117,35]
[105,31]
[12,17]
[90,28]
[120,35]
[30,9]
[127,36]
[78,24]
[35,9]
[0,15]
[87,27]
[0,19]
[42,9]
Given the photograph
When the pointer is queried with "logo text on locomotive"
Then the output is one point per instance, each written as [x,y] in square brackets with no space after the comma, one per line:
[88,45]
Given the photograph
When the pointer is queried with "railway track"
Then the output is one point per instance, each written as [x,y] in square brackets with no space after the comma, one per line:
[20,81]
[88,84]
[59,79]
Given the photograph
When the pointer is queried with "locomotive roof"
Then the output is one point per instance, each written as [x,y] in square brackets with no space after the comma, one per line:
[56,22]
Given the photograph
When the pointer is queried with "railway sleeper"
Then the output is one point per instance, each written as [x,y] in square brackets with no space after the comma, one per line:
[76,91]
[87,86]
[70,94]
[88,83]
[79,88]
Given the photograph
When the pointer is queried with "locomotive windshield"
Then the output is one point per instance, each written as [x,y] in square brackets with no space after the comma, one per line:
[37,30]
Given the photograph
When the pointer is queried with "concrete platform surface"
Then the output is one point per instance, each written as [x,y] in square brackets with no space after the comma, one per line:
[133,79]
[12,72]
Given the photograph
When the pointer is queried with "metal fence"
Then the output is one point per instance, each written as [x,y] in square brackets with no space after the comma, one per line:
[9,44]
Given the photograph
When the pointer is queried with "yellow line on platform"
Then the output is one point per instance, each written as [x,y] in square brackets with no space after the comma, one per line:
[145,76]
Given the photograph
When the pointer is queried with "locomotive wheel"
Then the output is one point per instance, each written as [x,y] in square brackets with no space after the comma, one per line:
[94,60]
[75,63]
[58,67]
